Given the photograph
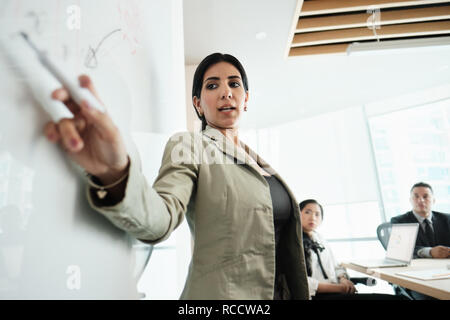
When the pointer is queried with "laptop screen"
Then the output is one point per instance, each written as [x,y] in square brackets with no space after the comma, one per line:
[402,241]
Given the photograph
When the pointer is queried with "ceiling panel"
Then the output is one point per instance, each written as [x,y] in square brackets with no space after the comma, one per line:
[331,26]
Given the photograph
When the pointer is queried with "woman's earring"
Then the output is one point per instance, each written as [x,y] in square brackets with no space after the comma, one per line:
[245,108]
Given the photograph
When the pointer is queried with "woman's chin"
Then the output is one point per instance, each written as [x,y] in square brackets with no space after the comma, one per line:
[227,125]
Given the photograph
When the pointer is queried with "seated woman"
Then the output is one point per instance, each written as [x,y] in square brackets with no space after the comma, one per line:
[326,279]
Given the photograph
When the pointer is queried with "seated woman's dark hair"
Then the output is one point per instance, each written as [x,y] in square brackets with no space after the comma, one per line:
[210,60]
[308,243]
[304,203]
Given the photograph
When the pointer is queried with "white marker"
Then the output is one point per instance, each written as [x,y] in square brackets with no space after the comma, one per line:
[76,92]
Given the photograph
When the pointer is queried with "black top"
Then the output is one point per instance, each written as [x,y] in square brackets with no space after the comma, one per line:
[281,203]
[282,210]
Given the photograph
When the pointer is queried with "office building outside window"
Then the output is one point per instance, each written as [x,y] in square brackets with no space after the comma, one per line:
[413,145]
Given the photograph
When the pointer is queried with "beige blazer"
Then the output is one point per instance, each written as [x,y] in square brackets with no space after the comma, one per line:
[228,207]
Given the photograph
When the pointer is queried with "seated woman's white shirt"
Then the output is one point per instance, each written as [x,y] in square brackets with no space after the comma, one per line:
[330,266]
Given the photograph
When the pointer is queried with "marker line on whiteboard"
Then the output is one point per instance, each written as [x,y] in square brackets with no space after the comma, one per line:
[77,93]
[91,58]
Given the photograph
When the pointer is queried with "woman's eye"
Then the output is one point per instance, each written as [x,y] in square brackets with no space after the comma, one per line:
[235,84]
[211,86]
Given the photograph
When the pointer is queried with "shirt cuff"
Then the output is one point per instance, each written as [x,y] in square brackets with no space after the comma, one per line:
[425,252]
[313,284]
[341,272]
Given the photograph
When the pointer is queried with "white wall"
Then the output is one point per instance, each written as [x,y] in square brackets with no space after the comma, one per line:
[52,245]
[193,123]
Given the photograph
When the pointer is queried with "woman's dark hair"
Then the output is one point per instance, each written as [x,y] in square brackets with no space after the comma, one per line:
[308,243]
[304,203]
[210,60]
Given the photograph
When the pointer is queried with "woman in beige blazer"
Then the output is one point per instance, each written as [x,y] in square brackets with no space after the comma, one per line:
[244,220]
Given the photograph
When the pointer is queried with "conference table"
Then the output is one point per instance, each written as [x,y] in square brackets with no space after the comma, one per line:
[437,288]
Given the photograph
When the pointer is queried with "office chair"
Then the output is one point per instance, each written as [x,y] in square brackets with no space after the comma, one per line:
[383,234]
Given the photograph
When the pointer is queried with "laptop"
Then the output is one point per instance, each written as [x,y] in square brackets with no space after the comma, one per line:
[400,248]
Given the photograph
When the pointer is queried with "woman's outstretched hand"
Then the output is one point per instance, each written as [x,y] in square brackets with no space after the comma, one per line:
[91,138]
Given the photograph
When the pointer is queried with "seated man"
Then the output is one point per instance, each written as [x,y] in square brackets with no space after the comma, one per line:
[433,238]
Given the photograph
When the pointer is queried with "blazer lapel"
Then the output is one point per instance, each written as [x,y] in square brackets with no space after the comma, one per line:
[227,147]
[249,158]
[438,226]
[256,160]
[412,218]
[242,155]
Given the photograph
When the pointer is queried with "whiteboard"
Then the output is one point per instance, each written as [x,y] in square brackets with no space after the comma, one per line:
[52,244]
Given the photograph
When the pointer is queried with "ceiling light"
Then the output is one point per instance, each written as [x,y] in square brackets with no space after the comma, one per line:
[396,46]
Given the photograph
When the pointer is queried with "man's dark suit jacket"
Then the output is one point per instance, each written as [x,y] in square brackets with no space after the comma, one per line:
[441,226]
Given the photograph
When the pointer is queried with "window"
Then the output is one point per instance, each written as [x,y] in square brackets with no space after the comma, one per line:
[351,221]
[413,145]
[322,158]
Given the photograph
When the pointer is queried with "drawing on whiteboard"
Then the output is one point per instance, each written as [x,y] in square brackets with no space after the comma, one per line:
[37,20]
[91,60]
[130,27]
[130,23]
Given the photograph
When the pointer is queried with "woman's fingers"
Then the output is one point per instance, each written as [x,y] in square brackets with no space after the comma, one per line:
[51,132]
[70,137]
[63,95]
[100,120]
[80,124]
[86,82]
[67,129]
[87,126]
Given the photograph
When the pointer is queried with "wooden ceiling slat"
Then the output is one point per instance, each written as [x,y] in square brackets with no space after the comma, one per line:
[348,21]
[356,20]
[298,9]
[359,34]
[326,49]
[336,6]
